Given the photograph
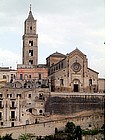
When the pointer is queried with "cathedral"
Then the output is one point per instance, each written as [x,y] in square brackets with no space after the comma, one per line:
[23,98]
[63,73]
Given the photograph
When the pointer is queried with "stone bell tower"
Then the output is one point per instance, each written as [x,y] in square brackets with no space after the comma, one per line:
[30,41]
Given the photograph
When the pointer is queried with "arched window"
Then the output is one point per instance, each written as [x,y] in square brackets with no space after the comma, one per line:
[4,76]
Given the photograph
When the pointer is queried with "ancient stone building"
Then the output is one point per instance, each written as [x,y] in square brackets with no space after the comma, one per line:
[30,73]
[7,75]
[70,73]
[64,73]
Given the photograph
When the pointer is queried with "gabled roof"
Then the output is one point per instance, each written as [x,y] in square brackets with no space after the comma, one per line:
[57,54]
[93,70]
[76,50]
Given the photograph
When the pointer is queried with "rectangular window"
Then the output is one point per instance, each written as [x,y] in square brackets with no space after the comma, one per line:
[12,124]
[0,95]
[21,76]
[39,76]
[30,52]
[29,95]
[30,43]
[0,103]
[1,123]
[0,115]
[30,76]
[13,104]
[12,114]
[90,82]
[61,81]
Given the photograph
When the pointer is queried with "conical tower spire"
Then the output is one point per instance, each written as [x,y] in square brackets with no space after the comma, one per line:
[30,17]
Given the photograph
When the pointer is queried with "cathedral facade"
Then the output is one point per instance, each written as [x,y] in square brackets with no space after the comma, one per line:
[64,73]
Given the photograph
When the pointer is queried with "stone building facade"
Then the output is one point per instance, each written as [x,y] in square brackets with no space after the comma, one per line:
[20,107]
[22,100]
[66,73]
[7,74]
[71,73]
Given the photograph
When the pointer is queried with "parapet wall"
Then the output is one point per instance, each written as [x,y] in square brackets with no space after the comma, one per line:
[48,128]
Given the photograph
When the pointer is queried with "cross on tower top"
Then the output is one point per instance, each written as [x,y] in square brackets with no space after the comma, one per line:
[30,7]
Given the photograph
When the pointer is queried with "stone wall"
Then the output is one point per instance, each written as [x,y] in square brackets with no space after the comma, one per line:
[48,127]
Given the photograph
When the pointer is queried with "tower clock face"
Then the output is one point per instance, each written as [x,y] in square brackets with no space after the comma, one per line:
[76,67]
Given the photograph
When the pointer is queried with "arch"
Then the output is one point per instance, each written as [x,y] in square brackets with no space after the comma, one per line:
[76,85]
[17,84]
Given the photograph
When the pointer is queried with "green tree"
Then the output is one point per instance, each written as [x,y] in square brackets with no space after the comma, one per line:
[26,136]
[78,133]
[70,127]
[7,137]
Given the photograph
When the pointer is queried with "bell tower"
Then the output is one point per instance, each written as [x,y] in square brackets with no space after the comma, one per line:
[30,41]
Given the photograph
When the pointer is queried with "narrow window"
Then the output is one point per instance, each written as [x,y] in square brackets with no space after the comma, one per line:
[30,43]
[30,76]
[1,123]
[90,82]
[39,76]
[29,95]
[30,62]
[21,76]
[0,95]
[12,114]
[12,124]
[61,81]
[0,104]
[13,104]
[0,115]
[40,111]
[30,52]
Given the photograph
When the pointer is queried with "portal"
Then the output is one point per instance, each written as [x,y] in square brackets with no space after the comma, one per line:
[76,88]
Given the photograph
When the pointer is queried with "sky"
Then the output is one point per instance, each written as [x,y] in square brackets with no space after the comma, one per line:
[62,26]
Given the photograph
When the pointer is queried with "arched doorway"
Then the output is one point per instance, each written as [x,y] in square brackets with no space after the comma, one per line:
[76,85]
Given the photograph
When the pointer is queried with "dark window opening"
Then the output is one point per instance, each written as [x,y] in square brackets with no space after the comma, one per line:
[19,95]
[12,114]
[30,62]
[30,27]
[0,95]
[21,76]
[0,115]
[61,81]
[30,76]
[40,111]
[29,95]
[30,110]
[4,76]
[13,104]
[12,124]
[1,123]
[39,76]
[62,65]
[76,88]
[0,103]
[90,82]
[41,96]
[30,43]
[30,52]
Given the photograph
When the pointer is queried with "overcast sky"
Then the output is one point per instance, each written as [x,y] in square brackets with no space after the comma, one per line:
[62,25]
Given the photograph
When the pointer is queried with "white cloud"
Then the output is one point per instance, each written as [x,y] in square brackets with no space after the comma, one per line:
[8,58]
